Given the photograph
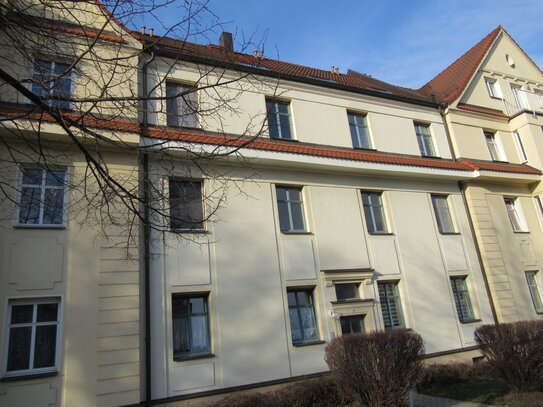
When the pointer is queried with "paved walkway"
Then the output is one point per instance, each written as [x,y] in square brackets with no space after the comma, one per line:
[422,400]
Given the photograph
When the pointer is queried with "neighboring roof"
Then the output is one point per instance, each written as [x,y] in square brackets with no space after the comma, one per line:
[265,144]
[449,84]
[217,55]
[481,109]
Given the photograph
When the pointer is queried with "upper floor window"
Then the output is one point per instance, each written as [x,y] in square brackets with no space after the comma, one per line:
[514,213]
[52,81]
[303,320]
[279,122]
[520,146]
[462,299]
[424,138]
[190,325]
[347,291]
[290,208]
[493,147]
[32,336]
[186,205]
[360,133]
[391,309]
[532,278]
[374,212]
[443,214]
[42,197]
[493,88]
[181,105]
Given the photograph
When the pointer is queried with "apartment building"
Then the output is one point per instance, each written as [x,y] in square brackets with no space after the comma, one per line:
[492,104]
[283,206]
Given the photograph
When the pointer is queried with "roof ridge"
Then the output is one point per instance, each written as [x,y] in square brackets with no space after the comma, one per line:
[449,84]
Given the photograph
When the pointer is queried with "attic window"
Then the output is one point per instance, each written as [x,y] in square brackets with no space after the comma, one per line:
[510,60]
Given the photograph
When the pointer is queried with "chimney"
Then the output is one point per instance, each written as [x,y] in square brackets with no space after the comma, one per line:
[142,30]
[226,41]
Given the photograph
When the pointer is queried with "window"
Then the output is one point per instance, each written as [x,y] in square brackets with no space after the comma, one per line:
[181,105]
[391,308]
[539,205]
[186,205]
[279,124]
[443,214]
[52,82]
[535,290]
[493,148]
[518,94]
[190,325]
[32,337]
[374,212]
[290,208]
[347,291]
[521,150]
[352,324]
[303,322]
[514,213]
[424,138]
[42,197]
[493,88]
[462,299]
[360,133]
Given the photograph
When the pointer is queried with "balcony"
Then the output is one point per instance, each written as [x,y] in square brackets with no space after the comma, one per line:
[523,100]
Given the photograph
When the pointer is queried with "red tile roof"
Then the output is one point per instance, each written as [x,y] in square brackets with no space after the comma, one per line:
[214,54]
[500,167]
[449,84]
[480,109]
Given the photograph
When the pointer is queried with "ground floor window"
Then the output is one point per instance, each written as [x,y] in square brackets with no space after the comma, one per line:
[462,299]
[303,321]
[32,336]
[352,324]
[389,297]
[190,325]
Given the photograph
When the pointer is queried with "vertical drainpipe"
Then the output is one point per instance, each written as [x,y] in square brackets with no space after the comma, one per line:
[146,238]
[443,108]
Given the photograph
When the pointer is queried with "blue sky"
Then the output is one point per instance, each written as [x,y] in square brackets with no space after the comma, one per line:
[402,42]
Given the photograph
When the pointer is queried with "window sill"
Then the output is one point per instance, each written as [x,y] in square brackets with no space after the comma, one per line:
[284,139]
[539,311]
[195,231]
[27,376]
[469,321]
[450,233]
[365,148]
[301,232]
[431,156]
[381,233]
[521,231]
[193,357]
[308,343]
[38,226]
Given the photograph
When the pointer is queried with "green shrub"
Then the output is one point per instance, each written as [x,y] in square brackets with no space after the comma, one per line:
[515,350]
[377,369]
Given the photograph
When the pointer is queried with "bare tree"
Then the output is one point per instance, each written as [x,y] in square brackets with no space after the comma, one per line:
[76,91]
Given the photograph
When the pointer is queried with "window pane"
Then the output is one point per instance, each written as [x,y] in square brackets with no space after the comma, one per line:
[19,348]
[32,176]
[297,216]
[47,312]
[44,348]
[302,316]
[308,323]
[284,217]
[346,291]
[295,325]
[389,298]
[21,314]
[53,206]
[29,211]
[197,306]
[200,342]
[181,342]
[190,325]
[352,324]
[186,208]
[54,178]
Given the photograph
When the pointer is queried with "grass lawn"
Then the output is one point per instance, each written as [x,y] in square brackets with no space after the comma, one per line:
[485,390]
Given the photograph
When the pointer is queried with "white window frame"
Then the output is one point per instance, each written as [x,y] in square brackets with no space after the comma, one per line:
[276,115]
[441,211]
[534,286]
[359,130]
[380,206]
[396,298]
[425,139]
[187,105]
[290,204]
[313,306]
[203,222]
[515,214]
[71,77]
[463,295]
[520,147]
[43,188]
[493,88]
[494,147]
[7,331]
